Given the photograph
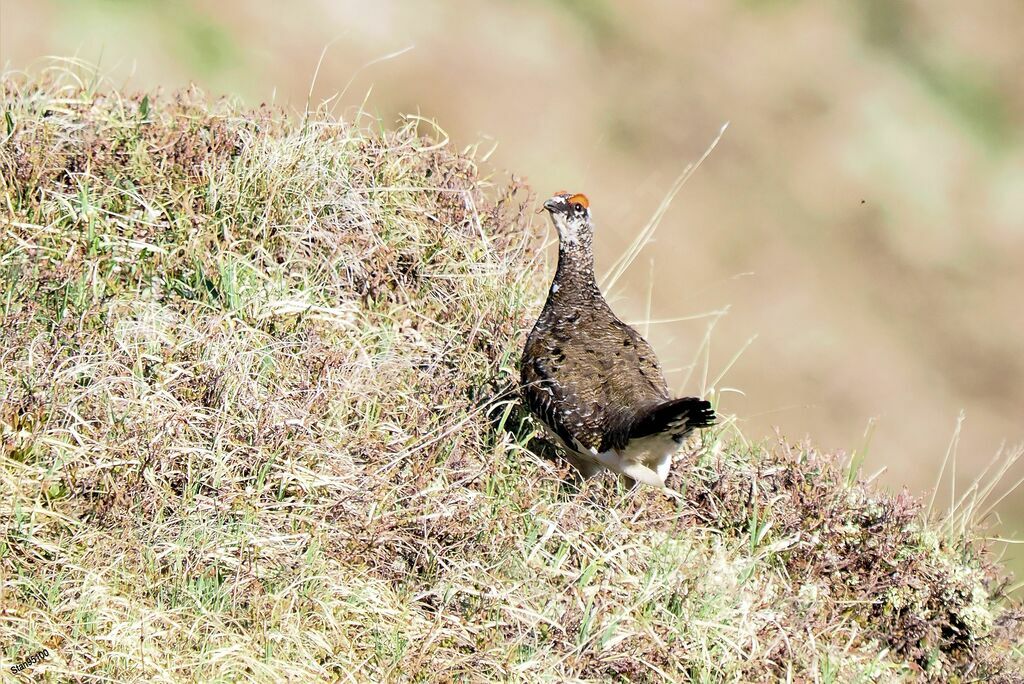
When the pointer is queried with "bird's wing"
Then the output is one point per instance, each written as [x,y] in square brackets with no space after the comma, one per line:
[568,409]
[592,390]
[638,363]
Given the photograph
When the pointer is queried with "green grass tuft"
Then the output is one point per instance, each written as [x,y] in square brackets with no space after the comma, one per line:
[258,424]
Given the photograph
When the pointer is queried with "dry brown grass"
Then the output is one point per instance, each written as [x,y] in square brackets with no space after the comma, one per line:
[257,425]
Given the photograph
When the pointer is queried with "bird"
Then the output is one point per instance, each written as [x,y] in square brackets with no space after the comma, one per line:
[594,382]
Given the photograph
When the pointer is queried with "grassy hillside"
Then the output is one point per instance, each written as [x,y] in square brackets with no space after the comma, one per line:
[258,424]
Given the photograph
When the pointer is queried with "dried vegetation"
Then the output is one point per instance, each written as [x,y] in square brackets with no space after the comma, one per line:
[257,425]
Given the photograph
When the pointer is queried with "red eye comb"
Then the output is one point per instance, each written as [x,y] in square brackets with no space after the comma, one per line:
[580,198]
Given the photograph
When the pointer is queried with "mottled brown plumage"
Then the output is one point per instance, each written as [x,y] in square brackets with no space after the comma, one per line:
[592,380]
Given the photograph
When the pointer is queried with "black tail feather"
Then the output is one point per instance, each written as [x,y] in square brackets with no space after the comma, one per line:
[677,417]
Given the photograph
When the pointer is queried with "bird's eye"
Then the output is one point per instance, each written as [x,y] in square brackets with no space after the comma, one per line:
[578,208]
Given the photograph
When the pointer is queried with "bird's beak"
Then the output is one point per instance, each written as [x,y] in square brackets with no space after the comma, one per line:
[556,203]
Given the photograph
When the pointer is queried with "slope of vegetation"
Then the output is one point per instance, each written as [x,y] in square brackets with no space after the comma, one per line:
[258,424]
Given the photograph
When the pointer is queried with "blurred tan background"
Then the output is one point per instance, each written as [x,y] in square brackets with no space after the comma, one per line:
[863,214]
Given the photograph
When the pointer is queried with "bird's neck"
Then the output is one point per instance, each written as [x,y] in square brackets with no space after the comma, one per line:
[575,272]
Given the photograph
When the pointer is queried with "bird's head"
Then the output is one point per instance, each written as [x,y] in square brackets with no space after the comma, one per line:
[571,215]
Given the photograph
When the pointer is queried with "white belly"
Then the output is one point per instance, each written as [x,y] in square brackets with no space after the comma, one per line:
[654,452]
[646,460]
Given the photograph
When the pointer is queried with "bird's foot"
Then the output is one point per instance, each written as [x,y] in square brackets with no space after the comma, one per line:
[671,493]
